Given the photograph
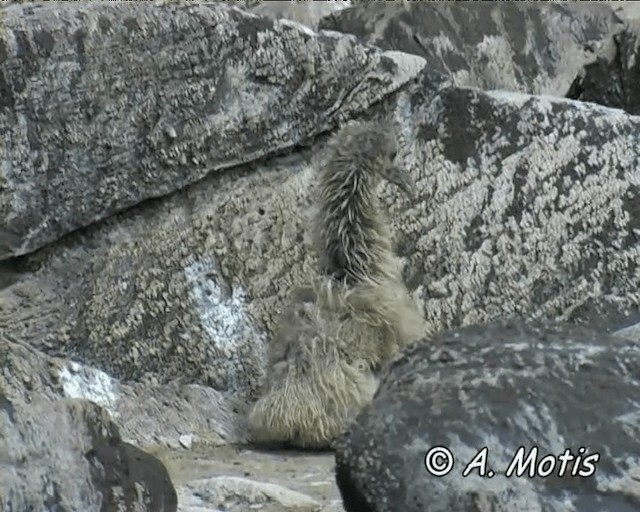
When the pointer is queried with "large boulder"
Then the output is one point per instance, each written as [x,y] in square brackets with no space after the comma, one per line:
[103,106]
[523,396]
[530,48]
[612,80]
[68,455]
[524,206]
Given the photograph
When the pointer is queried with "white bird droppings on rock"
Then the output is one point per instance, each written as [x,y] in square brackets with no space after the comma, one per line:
[79,381]
[223,315]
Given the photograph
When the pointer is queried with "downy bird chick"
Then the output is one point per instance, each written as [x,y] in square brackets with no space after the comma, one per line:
[355,316]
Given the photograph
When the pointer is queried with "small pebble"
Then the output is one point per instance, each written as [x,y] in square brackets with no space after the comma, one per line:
[186,440]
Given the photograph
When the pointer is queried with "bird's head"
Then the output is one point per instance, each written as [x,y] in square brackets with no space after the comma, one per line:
[383,145]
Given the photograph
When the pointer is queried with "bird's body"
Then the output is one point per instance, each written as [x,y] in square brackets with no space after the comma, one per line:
[355,316]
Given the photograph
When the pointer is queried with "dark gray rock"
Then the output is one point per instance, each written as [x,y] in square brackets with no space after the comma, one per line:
[103,105]
[501,386]
[68,455]
[612,80]
[531,48]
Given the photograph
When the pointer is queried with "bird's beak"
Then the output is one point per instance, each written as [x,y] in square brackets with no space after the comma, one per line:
[402,179]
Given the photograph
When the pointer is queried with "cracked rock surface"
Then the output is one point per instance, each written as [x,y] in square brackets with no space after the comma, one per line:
[104,106]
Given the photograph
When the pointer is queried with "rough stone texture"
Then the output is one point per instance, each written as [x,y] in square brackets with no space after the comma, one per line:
[525,206]
[500,386]
[237,494]
[106,105]
[151,414]
[530,48]
[189,428]
[27,373]
[68,455]
[248,479]
[148,414]
[308,13]
[612,80]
